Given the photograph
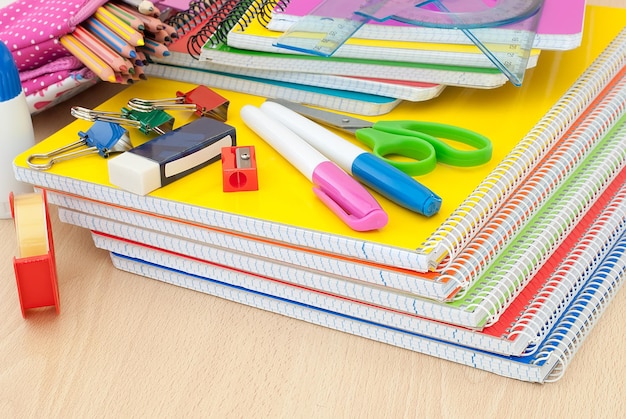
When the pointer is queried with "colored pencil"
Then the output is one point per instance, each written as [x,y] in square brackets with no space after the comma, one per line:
[126,17]
[155,48]
[160,36]
[88,58]
[116,43]
[145,7]
[171,31]
[124,78]
[139,74]
[130,65]
[113,59]
[122,30]
[141,59]
[150,23]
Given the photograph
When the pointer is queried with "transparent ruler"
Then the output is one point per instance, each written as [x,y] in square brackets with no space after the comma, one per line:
[504,30]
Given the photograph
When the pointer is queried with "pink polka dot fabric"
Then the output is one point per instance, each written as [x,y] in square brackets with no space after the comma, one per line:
[31,28]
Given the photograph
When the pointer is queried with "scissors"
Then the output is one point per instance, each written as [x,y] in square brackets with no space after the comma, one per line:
[418,141]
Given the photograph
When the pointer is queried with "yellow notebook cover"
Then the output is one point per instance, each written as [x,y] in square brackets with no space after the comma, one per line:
[285,210]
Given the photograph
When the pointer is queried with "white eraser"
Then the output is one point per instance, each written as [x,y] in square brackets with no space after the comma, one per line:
[171,156]
[134,173]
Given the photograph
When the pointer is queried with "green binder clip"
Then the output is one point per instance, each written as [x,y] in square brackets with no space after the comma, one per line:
[157,120]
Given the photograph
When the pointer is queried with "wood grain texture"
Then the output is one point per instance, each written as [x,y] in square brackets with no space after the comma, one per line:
[127,346]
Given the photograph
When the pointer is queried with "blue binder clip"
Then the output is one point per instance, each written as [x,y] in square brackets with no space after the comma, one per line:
[103,138]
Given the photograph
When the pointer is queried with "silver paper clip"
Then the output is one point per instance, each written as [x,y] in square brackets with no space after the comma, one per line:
[103,138]
[156,121]
[201,100]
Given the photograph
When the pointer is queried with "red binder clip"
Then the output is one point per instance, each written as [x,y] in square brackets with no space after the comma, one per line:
[239,172]
[208,103]
[35,268]
[201,100]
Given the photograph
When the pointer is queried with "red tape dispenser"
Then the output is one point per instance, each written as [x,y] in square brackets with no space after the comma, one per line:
[201,100]
[239,172]
[35,266]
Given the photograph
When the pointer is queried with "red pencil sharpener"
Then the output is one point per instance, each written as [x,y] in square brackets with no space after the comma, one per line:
[239,171]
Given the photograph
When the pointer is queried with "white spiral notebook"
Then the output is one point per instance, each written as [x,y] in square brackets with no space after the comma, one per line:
[516,328]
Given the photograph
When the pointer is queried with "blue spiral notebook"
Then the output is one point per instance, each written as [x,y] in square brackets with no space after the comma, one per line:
[547,363]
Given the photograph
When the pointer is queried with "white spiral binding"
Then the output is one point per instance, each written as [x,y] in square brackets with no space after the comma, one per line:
[467,220]
[578,320]
[500,230]
[518,263]
[571,274]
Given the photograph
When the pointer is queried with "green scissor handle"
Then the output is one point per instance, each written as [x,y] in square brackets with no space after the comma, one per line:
[420,141]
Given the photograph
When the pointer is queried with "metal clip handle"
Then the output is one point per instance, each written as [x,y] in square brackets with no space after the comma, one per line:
[102,138]
[106,116]
[201,100]
[145,105]
[154,120]
[58,155]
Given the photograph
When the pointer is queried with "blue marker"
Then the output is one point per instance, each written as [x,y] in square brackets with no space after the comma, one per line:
[367,168]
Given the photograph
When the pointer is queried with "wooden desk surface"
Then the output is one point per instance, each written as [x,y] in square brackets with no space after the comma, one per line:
[129,346]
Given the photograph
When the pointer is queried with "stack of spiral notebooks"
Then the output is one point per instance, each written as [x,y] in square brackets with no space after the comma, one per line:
[510,277]
[229,44]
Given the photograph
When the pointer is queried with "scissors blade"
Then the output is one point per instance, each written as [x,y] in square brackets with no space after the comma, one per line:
[335,120]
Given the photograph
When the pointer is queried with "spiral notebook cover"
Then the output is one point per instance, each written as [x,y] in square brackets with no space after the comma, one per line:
[192,23]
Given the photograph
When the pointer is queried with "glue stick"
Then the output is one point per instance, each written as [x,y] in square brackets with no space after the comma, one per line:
[16,129]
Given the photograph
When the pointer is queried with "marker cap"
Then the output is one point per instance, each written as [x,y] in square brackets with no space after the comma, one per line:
[395,185]
[347,198]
